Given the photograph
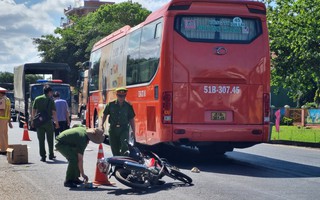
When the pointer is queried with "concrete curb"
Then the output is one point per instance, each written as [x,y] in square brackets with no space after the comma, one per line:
[294,143]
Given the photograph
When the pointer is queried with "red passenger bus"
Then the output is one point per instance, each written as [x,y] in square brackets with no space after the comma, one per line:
[197,73]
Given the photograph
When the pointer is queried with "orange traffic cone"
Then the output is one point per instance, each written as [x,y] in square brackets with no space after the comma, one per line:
[101,178]
[25,133]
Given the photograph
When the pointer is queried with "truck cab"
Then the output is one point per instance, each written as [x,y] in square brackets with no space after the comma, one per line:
[25,92]
[36,90]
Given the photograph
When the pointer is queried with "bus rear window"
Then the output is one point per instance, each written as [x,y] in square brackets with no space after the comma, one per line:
[218,29]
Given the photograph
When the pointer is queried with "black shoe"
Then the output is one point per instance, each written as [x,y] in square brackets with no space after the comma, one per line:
[77,182]
[43,159]
[52,157]
[70,184]
[3,153]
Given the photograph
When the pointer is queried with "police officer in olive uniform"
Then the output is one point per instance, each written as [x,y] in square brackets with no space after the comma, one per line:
[121,114]
[72,143]
[5,120]
[45,103]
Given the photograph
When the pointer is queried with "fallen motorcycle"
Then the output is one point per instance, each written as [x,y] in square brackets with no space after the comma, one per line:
[140,169]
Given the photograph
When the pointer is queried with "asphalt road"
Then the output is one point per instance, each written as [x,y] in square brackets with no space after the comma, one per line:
[264,171]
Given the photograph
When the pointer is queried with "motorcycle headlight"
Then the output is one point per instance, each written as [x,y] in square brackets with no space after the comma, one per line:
[103,165]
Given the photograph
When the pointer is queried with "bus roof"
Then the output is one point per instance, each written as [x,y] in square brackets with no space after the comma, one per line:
[179,5]
[45,68]
[112,37]
[186,2]
[172,5]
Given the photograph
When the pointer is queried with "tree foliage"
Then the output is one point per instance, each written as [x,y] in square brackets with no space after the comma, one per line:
[6,77]
[32,78]
[294,29]
[72,45]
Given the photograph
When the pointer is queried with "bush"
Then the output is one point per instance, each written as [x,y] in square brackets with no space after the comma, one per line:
[286,121]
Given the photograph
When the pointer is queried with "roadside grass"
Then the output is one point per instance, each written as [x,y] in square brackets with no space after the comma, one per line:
[296,134]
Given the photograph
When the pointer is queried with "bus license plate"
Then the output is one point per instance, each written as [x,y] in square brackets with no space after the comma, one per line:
[218,116]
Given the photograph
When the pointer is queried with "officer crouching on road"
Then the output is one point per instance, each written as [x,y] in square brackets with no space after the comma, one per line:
[72,143]
[121,114]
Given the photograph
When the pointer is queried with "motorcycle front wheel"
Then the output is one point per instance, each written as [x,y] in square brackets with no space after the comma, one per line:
[175,174]
[124,177]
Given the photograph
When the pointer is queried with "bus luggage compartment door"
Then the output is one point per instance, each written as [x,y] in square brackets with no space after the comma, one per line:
[199,103]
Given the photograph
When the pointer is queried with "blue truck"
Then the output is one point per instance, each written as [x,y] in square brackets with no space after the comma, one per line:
[24,93]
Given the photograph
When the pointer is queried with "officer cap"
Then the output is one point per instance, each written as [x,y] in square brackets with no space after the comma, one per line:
[3,90]
[121,90]
[95,135]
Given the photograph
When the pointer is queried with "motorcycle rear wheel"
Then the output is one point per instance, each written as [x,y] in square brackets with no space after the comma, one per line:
[122,175]
[175,174]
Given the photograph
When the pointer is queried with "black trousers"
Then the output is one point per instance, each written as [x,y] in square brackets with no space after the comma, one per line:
[62,126]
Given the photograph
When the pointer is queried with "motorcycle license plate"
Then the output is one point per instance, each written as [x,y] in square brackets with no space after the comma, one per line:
[215,116]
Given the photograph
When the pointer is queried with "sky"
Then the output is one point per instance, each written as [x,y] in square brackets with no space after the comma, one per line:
[21,20]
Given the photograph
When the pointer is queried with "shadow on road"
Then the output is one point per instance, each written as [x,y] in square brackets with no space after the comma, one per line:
[56,161]
[130,191]
[154,189]
[238,163]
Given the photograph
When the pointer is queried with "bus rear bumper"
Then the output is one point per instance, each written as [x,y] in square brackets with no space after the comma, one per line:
[221,133]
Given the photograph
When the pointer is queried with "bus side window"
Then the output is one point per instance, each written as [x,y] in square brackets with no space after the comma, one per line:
[144,72]
[134,76]
[158,31]
[153,69]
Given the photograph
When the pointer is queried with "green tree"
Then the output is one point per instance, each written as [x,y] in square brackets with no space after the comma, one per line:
[73,44]
[294,29]
[32,78]
[6,77]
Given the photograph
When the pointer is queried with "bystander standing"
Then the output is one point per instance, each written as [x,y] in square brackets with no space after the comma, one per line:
[63,115]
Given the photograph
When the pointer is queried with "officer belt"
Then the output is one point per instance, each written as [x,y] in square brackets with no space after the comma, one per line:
[118,125]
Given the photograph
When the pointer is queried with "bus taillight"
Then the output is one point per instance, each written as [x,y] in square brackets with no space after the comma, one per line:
[167,107]
[266,104]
